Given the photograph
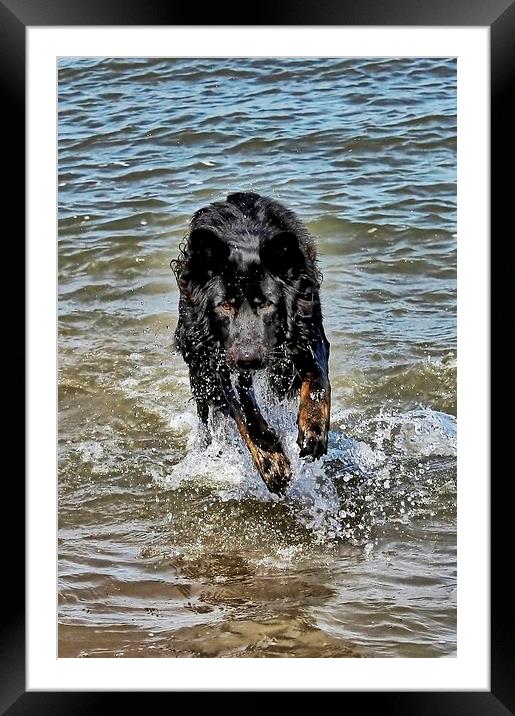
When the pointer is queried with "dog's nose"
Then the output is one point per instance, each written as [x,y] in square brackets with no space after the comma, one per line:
[246,357]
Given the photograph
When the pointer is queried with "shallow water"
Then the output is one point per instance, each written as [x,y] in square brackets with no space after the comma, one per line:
[167,548]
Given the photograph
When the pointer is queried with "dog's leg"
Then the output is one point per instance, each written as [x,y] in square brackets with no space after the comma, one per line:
[263,443]
[202,411]
[315,401]
[199,393]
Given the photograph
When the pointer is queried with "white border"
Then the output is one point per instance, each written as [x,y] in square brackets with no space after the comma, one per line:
[470,669]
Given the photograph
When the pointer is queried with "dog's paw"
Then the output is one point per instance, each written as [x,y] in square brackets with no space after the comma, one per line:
[312,442]
[274,468]
[313,430]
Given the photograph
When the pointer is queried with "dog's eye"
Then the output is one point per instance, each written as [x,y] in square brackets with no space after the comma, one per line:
[226,306]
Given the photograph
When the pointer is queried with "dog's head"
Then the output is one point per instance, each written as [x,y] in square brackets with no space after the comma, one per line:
[247,277]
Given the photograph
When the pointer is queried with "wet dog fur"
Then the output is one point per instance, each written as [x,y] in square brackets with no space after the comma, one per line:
[249,300]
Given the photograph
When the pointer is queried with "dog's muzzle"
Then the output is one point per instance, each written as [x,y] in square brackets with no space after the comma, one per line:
[246,357]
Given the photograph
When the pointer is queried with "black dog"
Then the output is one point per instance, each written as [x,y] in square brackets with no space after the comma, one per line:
[249,300]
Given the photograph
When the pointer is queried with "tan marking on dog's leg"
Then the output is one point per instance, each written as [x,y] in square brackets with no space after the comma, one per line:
[314,417]
[272,463]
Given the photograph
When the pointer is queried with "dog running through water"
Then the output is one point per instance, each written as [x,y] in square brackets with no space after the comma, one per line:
[249,300]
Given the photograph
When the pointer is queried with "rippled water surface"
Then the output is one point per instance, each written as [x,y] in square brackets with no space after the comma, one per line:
[169,549]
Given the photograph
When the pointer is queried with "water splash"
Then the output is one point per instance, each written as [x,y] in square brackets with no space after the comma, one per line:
[389,466]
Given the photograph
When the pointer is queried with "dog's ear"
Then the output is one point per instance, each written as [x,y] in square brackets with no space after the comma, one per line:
[282,256]
[208,252]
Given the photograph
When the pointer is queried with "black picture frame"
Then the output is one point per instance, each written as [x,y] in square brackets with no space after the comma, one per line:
[499,16]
